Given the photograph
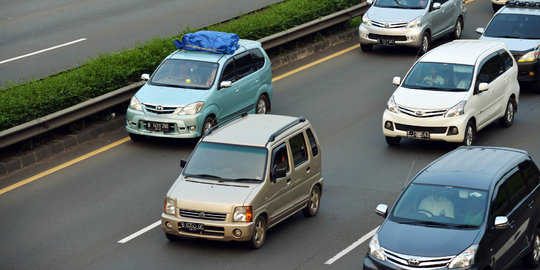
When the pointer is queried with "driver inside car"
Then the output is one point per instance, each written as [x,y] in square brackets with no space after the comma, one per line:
[436,205]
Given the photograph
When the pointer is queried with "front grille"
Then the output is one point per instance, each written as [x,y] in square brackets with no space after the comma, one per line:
[208,230]
[421,113]
[413,262]
[388,25]
[202,215]
[158,109]
[396,38]
[418,128]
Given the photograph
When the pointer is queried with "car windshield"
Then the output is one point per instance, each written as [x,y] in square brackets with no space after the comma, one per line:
[185,74]
[407,4]
[440,77]
[445,206]
[227,162]
[514,26]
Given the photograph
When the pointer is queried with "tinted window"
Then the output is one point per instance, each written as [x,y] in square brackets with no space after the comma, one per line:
[530,173]
[500,204]
[243,65]
[515,185]
[507,59]
[312,142]
[439,76]
[514,26]
[298,149]
[280,157]
[228,71]
[257,58]
[401,4]
[490,70]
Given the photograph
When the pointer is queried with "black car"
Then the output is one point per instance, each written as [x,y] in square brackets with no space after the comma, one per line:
[473,208]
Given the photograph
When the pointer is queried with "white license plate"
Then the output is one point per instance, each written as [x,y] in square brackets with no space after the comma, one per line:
[421,135]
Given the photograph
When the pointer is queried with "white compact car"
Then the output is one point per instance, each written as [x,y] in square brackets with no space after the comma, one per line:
[452,92]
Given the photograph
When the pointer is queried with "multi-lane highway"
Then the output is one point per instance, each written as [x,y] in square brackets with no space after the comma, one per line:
[41,37]
[100,212]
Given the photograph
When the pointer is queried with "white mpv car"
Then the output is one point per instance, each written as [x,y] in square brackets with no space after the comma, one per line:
[452,92]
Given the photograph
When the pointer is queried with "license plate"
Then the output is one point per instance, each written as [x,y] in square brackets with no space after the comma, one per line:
[385,41]
[422,135]
[156,126]
[191,226]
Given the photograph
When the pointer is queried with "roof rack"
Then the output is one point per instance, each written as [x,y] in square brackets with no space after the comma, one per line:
[284,128]
[524,4]
[209,131]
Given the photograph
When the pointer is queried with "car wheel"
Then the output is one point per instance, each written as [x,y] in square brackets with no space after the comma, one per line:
[393,141]
[458,28]
[314,202]
[208,123]
[136,137]
[426,43]
[172,237]
[508,118]
[366,47]
[532,259]
[259,233]
[469,135]
[262,105]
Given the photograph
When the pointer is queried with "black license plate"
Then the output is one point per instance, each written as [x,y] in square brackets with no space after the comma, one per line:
[386,41]
[421,135]
[192,226]
[156,126]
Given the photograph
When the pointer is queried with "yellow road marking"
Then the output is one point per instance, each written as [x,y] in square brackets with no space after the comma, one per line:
[59,167]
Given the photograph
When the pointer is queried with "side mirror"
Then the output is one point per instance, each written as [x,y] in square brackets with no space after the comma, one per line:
[396,81]
[183,163]
[382,210]
[436,6]
[480,30]
[225,84]
[483,87]
[277,173]
[145,77]
[369,2]
[501,223]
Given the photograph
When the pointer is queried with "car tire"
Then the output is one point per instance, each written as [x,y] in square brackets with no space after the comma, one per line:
[470,134]
[136,137]
[262,106]
[393,141]
[509,113]
[366,47]
[532,259]
[172,237]
[458,29]
[208,123]
[259,233]
[312,207]
[425,46]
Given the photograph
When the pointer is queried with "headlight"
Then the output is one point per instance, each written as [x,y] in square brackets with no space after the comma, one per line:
[528,57]
[458,109]
[170,206]
[242,213]
[465,259]
[391,105]
[375,249]
[192,108]
[414,23]
[365,19]
[134,104]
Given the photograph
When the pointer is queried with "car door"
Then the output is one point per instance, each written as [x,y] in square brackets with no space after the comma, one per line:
[437,18]
[246,85]
[486,102]
[277,193]
[448,9]
[301,172]
[226,98]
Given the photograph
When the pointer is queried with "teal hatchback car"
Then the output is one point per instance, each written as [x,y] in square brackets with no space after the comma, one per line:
[193,90]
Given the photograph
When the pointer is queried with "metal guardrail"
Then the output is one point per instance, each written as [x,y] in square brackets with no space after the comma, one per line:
[111,99]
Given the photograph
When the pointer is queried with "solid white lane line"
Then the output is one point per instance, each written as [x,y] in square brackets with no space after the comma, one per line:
[42,51]
[352,246]
[147,228]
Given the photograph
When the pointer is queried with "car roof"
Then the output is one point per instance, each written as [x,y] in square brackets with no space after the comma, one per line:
[245,44]
[252,129]
[464,51]
[517,9]
[477,167]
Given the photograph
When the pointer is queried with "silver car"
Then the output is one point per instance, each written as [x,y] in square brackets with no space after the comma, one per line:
[413,23]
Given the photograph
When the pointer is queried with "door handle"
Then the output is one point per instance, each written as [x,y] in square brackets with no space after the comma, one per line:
[288,181]
[531,204]
[237,89]
[308,169]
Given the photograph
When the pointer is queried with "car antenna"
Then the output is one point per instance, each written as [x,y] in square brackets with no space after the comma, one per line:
[410,171]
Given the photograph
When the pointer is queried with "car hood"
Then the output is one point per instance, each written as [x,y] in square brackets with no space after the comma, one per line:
[393,15]
[428,99]
[210,195]
[176,97]
[423,241]
[516,45]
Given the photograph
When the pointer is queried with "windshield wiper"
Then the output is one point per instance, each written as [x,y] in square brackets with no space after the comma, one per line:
[205,176]
[464,226]
[427,223]
[167,85]
[245,180]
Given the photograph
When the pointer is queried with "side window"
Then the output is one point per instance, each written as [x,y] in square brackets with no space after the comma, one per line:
[507,59]
[490,70]
[228,71]
[500,205]
[530,173]
[243,65]
[280,157]
[258,58]
[298,149]
[312,142]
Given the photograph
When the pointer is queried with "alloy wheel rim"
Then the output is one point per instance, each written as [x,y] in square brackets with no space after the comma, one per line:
[469,136]
[314,201]
[458,29]
[259,232]
[510,113]
[261,106]
[536,248]
[425,45]
[207,126]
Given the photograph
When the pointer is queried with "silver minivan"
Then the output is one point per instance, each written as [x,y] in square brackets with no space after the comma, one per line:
[245,177]
[413,23]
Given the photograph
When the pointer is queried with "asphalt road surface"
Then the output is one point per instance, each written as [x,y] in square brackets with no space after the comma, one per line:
[41,37]
[101,212]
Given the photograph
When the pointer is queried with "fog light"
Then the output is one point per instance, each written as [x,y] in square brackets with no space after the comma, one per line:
[129,123]
[531,73]
[192,128]
[168,225]
[388,125]
[453,131]
[237,233]
[411,37]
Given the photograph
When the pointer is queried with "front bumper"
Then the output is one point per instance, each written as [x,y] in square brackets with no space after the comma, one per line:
[182,126]
[403,36]
[374,264]
[529,71]
[439,127]
[213,230]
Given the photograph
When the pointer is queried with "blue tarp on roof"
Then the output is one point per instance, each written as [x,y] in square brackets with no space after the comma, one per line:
[209,41]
